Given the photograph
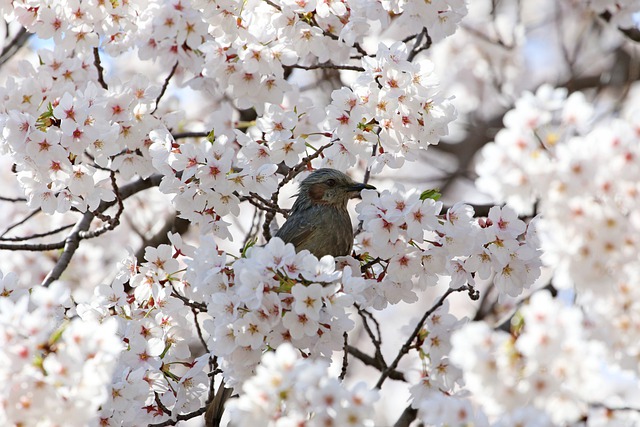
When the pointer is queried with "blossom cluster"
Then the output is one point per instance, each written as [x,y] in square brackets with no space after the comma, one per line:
[394,104]
[551,369]
[272,296]
[583,173]
[55,370]
[156,374]
[77,126]
[206,179]
[254,41]
[62,128]
[80,25]
[290,390]
[419,243]
[437,394]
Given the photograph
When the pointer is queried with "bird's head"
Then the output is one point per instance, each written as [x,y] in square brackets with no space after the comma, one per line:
[330,187]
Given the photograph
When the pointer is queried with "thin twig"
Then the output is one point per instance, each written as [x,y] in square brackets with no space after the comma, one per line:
[409,342]
[72,242]
[12,47]
[12,199]
[253,229]
[417,47]
[111,223]
[164,86]
[198,329]
[371,361]
[328,66]
[190,303]
[182,135]
[375,340]
[407,417]
[268,205]
[22,221]
[36,235]
[98,65]
[345,357]
[180,417]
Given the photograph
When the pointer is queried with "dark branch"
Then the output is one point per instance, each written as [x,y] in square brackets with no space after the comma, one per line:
[36,235]
[328,66]
[408,343]
[14,45]
[371,361]
[180,417]
[98,65]
[164,86]
[72,242]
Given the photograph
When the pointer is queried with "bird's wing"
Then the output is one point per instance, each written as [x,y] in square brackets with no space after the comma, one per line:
[297,231]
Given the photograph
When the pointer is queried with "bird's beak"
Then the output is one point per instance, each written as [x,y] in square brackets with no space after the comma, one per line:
[357,188]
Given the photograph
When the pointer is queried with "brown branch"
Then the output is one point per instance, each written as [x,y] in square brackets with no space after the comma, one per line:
[345,358]
[22,221]
[111,222]
[36,235]
[328,66]
[407,417]
[376,341]
[198,329]
[268,205]
[172,224]
[180,417]
[14,45]
[409,342]
[215,408]
[164,87]
[98,64]
[182,135]
[373,362]
[189,303]
[72,242]
[418,46]
[12,199]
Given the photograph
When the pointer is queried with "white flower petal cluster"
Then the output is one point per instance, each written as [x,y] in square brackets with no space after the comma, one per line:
[582,172]
[207,180]
[61,128]
[394,105]
[290,390]
[78,24]
[54,370]
[157,364]
[551,366]
[272,296]
[419,243]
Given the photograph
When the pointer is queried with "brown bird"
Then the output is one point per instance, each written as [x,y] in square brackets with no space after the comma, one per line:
[319,220]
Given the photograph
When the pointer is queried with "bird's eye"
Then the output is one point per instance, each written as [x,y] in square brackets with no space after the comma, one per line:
[331,182]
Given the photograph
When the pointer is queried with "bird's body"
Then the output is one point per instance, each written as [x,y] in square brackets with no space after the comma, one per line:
[319,220]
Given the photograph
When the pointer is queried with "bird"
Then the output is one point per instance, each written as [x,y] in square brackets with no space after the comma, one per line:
[319,220]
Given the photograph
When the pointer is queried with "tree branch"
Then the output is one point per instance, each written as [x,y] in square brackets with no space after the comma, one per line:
[72,242]
[98,65]
[408,343]
[164,87]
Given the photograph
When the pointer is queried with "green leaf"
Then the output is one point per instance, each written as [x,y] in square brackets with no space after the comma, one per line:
[212,136]
[249,244]
[431,194]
